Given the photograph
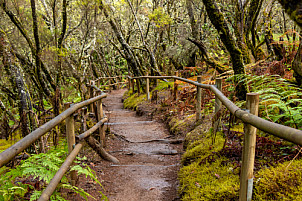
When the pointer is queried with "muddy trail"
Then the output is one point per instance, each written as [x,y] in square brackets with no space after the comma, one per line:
[148,162]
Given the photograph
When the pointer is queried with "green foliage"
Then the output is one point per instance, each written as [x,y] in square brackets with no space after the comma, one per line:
[35,173]
[282,182]
[280,101]
[159,17]
[69,91]
[163,85]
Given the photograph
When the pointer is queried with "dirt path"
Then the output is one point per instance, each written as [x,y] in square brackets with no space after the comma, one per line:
[147,171]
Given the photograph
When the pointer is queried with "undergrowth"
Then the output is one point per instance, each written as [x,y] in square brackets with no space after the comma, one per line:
[27,180]
[204,175]
[280,100]
[283,182]
[210,168]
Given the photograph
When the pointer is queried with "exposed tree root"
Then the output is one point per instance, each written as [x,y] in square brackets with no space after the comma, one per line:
[96,146]
[177,141]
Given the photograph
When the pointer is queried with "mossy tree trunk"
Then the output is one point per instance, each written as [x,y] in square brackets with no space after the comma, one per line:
[239,30]
[17,81]
[196,41]
[250,29]
[294,9]
[128,51]
[297,64]
[194,28]
[221,26]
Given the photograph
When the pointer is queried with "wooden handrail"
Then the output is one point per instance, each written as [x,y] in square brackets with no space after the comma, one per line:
[281,131]
[252,122]
[21,145]
[92,129]
[25,142]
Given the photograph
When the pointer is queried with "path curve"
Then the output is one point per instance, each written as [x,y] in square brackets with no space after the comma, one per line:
[145,172]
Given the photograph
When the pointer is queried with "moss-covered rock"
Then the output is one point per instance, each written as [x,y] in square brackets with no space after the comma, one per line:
[202,148]
[182,126]
[134,100]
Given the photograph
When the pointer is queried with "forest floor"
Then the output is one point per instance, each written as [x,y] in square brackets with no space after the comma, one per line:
[148,167]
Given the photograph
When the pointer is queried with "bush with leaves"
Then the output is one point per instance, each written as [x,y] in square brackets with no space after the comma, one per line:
[28,179]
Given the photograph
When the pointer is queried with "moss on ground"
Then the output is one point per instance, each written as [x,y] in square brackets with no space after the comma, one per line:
[283,182]
[208,181]
[204,175]
[134,100]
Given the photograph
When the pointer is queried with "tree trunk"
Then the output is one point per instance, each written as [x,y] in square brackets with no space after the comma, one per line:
[296,65]
[194,28]
[17,81]
[221,26]
[294,9]
[128,52]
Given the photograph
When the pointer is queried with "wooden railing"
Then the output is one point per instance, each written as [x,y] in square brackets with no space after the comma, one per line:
[248,116]
[73,148]
[109,82]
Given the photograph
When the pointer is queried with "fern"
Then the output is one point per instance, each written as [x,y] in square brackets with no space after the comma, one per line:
[38,170]
[280,101]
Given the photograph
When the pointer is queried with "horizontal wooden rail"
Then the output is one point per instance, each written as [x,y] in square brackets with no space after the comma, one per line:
[59,175]
[92,129]
[278,130]
[21,145]
[99,78]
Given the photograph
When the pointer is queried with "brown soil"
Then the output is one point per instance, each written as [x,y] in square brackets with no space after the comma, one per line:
[147,170]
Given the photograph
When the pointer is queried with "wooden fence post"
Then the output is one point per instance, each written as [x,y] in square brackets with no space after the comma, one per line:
[84,119]
[138,86]
[98,82]
[248,150]
[217,101]
[109,83]
[175,87]
[100,117]
[217,105]
[132,83]
[148,87]
[129,83]
[70,140]
[198,100]
[91,96]
[117,83]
